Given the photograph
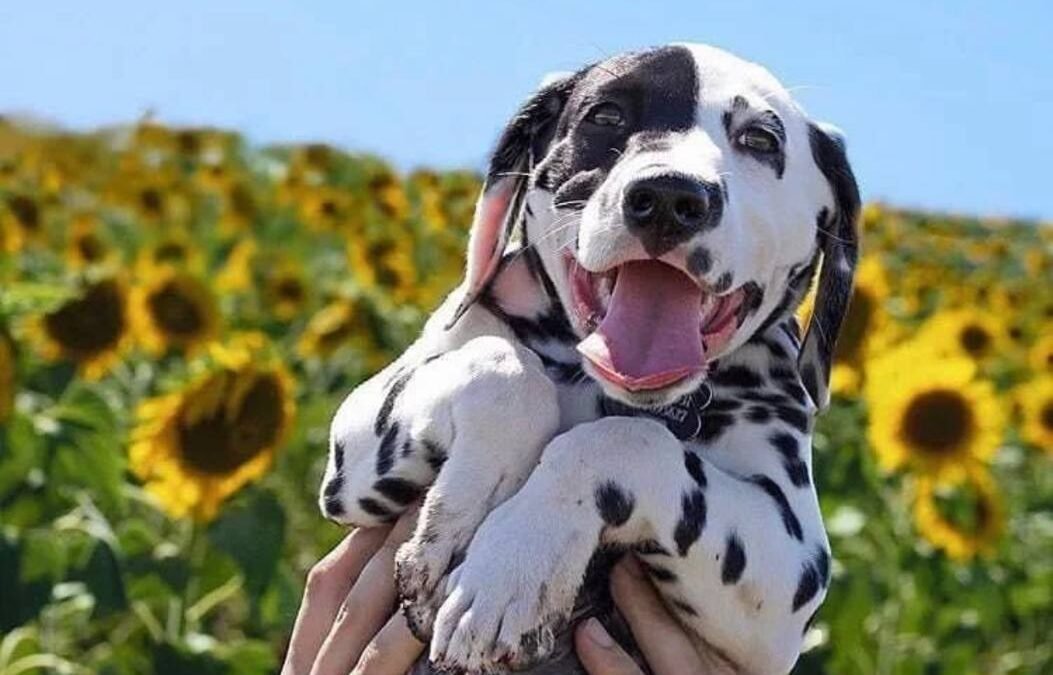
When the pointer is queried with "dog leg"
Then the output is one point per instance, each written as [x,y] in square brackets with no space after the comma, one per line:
[387,440]
[629,482]
[491,447]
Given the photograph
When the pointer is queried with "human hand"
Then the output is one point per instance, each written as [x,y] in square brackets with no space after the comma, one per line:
[665,645]
[349,620]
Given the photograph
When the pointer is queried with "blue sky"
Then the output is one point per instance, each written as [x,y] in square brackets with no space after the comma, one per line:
[946,105]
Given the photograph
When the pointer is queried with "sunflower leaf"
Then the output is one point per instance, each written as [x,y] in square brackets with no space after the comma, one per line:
[251,531]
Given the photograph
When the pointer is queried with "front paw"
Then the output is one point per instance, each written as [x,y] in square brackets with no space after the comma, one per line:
[505,604]
[422,566]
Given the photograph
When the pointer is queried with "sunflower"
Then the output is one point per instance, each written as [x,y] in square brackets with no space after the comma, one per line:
[1035,400]
[174,249]
[286,291]
[173,309]
[386,263]
[85,244]
[198,445]
[326,208]
[930,412]
[21,222]
[343,322]
[964,518]
[389,197]
[7,375]
[89,329]
[236,273]
[1041,354]
[866,327]
[967,332]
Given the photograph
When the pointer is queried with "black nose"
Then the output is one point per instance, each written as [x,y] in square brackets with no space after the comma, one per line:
[667,210]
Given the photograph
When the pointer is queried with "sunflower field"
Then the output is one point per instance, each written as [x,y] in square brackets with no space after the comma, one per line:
[180,314]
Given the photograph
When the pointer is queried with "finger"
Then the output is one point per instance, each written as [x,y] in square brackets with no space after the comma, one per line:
[599,653]
[367,607]
[665,645]
[328,583]
[393,651]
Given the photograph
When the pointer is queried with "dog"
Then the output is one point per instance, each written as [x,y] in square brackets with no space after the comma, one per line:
[620,370]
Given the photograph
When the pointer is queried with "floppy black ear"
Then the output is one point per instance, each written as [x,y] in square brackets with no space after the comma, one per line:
[838,239]
[521,145]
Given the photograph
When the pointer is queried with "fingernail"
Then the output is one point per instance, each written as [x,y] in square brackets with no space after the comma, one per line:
[594,629]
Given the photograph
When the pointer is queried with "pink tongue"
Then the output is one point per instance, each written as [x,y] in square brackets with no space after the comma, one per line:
[650,337]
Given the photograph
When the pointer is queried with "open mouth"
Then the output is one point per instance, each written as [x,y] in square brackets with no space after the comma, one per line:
[649,324]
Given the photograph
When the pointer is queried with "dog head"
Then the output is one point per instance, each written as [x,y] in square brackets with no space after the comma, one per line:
[679,200]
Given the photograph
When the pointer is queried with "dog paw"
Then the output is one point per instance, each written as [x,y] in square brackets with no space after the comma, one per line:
[423,564]
[505,604]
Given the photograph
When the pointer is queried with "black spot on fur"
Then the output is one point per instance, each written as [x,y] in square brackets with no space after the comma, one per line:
[699,261]
[338,454]
[795,417]
[724,405]
[434,454]
[734,561]
[789,518]
[375,508]
[787,446]
[334,507]
[822,565]
[386,451]
[714,425]
[659,573]
[807,586]
[723,283]
[758,414]
[736,376]
[398,383]
[398,490]
[333,486]
[692,521]
[695,468]
[615,505]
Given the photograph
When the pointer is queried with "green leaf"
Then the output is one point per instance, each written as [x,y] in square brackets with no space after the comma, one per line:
[21,449]
[251,531]
[176,660]
[102,575]
[21,600]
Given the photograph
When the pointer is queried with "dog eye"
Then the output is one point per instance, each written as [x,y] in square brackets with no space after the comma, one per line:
[605,115]
[759,139]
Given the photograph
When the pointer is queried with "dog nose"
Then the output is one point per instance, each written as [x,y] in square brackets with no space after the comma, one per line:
[667,210]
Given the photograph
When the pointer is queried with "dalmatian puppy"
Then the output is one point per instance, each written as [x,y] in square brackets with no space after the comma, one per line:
[620,371]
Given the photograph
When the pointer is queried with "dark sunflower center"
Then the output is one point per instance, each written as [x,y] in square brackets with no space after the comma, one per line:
[170,252]
[151,200]
[242,202]
[26,212]
[91,323]
[219,444]
[937,422]
[975,340]
[175,312]
[1045,416]
[329,208]
[90,248]
[290,290]
[856,326]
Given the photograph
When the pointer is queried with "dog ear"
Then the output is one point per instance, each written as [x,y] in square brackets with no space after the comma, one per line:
[838,240]
[521,145]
